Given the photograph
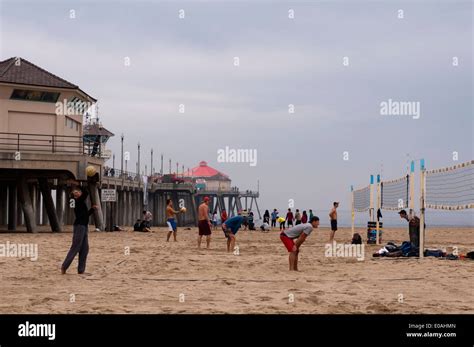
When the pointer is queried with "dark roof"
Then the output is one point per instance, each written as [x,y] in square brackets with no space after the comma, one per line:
[29,74]
[96,129]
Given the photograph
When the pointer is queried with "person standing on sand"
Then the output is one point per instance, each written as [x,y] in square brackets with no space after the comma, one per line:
[230,228]
[311,215]
[413,227]
[299,233]
[266,217]
[171,220]
[204,224]
[333,219]
[289,218]
[304,218]
[274,217]
[80,241]
[298,217]
[223,215]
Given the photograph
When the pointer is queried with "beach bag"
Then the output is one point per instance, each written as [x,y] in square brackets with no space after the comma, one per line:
[356,239]
[433,253]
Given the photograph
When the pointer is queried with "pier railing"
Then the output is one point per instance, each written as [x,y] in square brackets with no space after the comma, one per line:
[129,176]
[116,173]
[41,143]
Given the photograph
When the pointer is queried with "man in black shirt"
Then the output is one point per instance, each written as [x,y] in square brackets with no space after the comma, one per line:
[80,243]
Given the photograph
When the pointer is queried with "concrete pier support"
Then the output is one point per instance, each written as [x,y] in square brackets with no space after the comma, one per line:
[19,211]
[34,199]
[95,200]
[128,207]
[230,209]
[12,206]
[44,212]
[3,204]
[49,204]
[60,204]
[119,212]
[38,206]
[69,210]
[26,204]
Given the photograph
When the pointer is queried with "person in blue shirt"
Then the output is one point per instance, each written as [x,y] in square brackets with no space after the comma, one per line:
[230,228]
[274,218]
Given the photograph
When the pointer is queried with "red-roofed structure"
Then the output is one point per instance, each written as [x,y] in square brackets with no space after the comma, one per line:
[213,179]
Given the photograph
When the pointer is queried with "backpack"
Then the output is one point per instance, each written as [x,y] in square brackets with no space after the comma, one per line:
[356,239]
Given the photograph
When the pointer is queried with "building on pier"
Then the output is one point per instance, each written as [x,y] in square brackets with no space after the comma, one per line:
[218,187]
[41,146]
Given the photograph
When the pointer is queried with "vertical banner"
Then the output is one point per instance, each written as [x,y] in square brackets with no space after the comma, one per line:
[145,190]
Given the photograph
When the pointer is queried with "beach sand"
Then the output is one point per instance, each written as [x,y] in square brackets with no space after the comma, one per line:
[160,277]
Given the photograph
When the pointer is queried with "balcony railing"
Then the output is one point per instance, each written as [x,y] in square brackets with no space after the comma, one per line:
[41,143]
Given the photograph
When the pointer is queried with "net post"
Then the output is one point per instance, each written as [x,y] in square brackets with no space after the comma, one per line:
[422,208]
[352,208]
[371,199]
[377,225]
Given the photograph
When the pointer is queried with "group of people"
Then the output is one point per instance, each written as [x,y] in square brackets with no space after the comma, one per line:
[292,238]
[290,219]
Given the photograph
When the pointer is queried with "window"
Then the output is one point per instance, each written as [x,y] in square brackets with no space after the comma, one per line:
[72,124]
[34,95]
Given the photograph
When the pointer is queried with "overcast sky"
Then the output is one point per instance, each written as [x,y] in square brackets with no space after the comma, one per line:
[283,61]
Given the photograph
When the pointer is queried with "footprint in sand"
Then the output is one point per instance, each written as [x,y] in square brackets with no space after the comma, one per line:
[265,298]
[378,308]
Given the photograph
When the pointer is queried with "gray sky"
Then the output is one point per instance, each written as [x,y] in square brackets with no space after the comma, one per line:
[282,61]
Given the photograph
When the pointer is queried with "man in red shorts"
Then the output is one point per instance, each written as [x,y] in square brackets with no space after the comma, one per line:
[294,237]
[204,224]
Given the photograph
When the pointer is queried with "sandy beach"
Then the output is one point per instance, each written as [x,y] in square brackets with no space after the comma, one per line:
[160,277]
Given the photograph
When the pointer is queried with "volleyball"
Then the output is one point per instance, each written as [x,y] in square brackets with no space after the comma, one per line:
[183,209]
[90,171]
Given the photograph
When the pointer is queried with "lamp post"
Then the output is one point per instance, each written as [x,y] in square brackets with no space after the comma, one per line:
[151,166]
[161,167]
[138,164]
[121,154]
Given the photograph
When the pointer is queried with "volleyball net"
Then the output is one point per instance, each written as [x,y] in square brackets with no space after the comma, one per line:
[450,188]
[361,199]
[395,194]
